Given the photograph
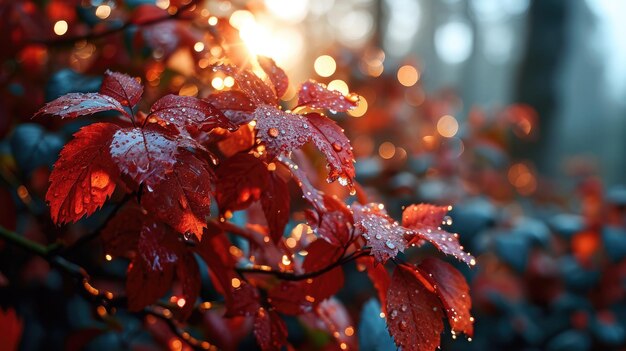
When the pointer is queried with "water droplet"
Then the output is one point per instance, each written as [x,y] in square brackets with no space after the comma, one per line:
[390,245]
[273,132]
[378,236]
[337,147]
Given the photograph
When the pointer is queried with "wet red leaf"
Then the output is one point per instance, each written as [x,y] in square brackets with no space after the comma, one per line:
[84,176]
[270,330]
[383,234]
[78,104]
[414,314]
[453,291]
[123,88]
[424,221]
[276,74]
[183,198]
[241,180]
[151,272]
[146,155]
[189,114]
[317,95]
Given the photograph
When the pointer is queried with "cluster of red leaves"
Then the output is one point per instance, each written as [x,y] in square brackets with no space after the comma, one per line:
[169,160]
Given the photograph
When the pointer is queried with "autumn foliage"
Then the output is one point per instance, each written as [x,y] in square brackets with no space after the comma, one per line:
[213,185]
[234,146]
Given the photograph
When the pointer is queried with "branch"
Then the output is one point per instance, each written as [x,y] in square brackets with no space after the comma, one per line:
[166,315]
[295,277]
[110,31]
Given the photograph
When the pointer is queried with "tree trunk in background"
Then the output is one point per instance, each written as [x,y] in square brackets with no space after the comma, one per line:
[540,72]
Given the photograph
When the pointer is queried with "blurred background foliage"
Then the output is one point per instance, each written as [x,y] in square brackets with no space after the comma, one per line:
[511,110]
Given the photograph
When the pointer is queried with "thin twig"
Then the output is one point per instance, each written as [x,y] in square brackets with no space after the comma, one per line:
[296,277]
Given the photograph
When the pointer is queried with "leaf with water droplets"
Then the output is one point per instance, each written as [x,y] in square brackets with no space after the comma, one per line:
[241,180]
[317,95]
[276,74]
[424,216]
[383,234]
[146,155]
[121,87]
[250,84]
[270,330]
[189,114]
[275,204]
[235,105]
[182,199]
[424,220]
[309,192]
[414,313]
[151,272]
[280,131]
[78,104]
[330,140]
[84,176]
[334,223]
[453,291]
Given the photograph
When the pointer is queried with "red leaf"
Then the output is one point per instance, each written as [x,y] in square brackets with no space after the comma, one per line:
[276,74]
[330,140]
[183,199]
[250,84]
[384,235]
[189,114]
[280,131]
[413,312]
[424,216]
[270,330]
[453,291]
[242,299]
[125,89]
[316,95]
[335,223]
[189,276]
[234,104]
[320,255]
[145,155]
[275,203]
[12,327]
[241,180]
[151,272]
[77,104]
[121,233]
[290,297]
[424,221]
[84,176]
[309,192]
